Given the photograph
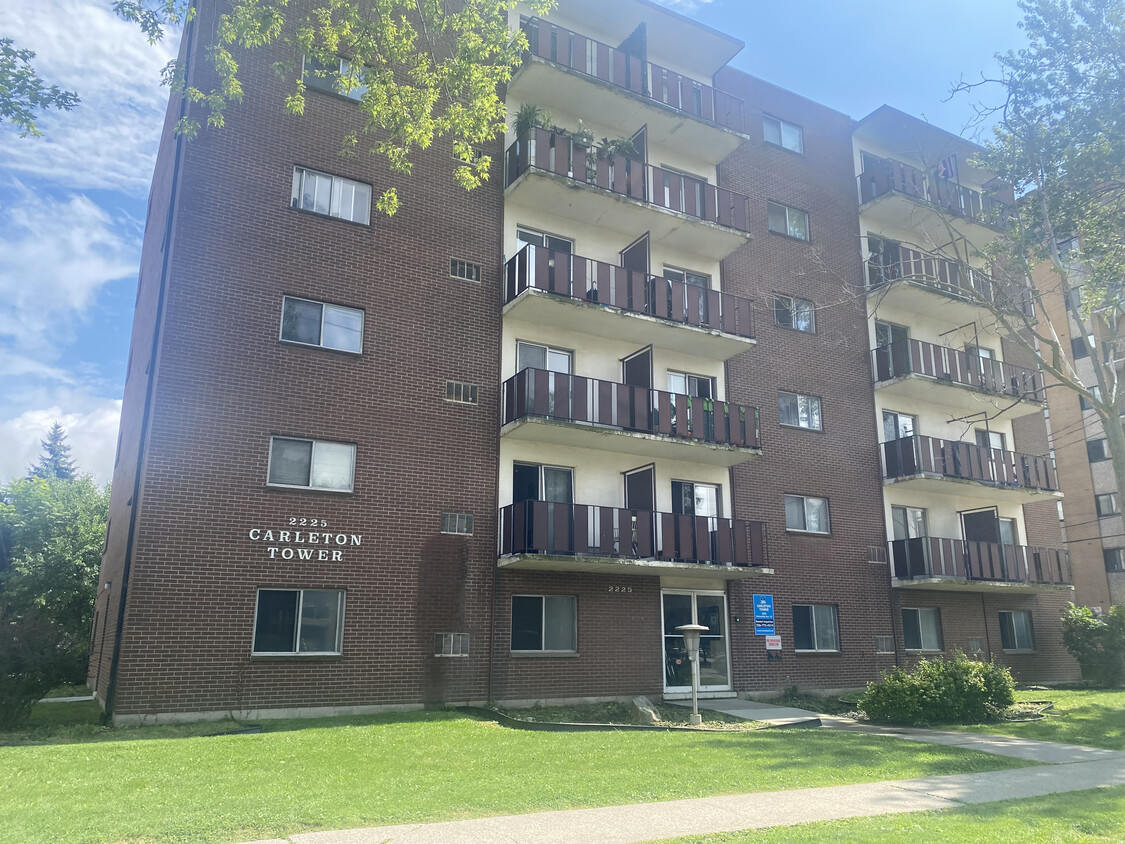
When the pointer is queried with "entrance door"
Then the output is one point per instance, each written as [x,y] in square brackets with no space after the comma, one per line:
[636,374]
[892,351]
[640,500]
[710,610]
[550,491]
[899,447]
[635,256]
[909,542]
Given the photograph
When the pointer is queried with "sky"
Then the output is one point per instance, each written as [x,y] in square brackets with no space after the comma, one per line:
[72,203]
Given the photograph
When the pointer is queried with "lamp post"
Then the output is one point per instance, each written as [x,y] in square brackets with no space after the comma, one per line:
[691,634]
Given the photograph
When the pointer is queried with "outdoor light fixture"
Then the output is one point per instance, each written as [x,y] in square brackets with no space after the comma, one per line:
[691,633]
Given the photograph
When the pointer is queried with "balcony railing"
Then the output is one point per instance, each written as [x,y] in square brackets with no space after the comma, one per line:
[562,155]
[931,556]
[895,177]
[917,357]
[627,71]
[909,456]
[544,527]
[539,268]
[574,398]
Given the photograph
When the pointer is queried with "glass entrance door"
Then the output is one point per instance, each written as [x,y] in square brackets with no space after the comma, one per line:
[710,610]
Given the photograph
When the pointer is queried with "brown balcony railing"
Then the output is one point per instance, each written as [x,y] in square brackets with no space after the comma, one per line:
[917,357]
[889,177]
[562,155]
[626,70]
[908,456]
[539,268]
[931,556]
[573,398]
[544,527]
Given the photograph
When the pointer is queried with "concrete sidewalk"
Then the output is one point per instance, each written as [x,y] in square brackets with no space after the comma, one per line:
[752,710]
[1062,768]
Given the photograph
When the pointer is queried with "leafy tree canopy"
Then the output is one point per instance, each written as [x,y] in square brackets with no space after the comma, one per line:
[23,93]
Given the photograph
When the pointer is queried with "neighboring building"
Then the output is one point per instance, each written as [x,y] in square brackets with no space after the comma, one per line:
[977,560]
[500,445]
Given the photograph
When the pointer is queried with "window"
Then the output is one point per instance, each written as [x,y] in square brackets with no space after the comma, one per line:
[692,499]
[921,629]
[684,383]
[1106,504]
[1083,404]
[299,621]
[687,277]
[807,514]
[1015,631]
[1114,559]
[782,134]
[1097,450]
[311,463]
[1078,346]
[331,196]
[534,356]
[799,411]
[555,244]
[459,523]
[814,628]
[333,78]
[464,270]
[317,324]
[791,312]
[545,623]
[457,391]
[788,221]
[990,439]
[884,644]
[976,645]
[451,644]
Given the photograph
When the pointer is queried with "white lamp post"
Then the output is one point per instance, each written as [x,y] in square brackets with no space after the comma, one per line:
[691,634]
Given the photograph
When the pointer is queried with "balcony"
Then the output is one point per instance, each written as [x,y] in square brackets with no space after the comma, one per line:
[954,564]
[561,409]
[578,294]
[555,172]
[950,466]
[573,74]
[920,371]
[545,536]
[898,195]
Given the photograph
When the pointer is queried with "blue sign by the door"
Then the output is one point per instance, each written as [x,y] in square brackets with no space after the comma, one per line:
[763,615]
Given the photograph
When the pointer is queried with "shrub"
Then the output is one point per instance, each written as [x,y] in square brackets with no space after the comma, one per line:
[1098,643]
[951,691]
[35,656]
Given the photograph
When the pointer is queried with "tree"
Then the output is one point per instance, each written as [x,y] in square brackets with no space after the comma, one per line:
[1097,642]
[55,461]
[23,93]
[426,68]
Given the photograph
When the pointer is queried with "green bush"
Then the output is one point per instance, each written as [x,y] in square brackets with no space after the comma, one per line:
[1097,642]
[940,691]
[36,655]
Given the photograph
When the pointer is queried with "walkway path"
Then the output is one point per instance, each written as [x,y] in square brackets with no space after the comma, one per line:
[1063,768]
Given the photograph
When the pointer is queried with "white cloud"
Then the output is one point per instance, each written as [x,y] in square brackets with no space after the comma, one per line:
[55,257]
[91,433]
[110,139]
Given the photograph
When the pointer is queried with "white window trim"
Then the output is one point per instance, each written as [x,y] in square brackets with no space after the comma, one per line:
[827,510]
[812,618]
[295,197]
[781,124]
[543,625]
[323,309]
[923,649]
[300,605]
[800,396]
[312,459]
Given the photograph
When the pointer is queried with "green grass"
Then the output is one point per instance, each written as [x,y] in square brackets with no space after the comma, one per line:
[426,766]
[1097,815]
[1086,716]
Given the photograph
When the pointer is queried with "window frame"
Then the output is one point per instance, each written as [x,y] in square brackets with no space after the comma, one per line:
[790,307]
[354,94]
[1114,559]
[1103,447]
[1112,502]
[805,512]
[689,379]
[921,639]
[472,269]
[545,237]
[323,311]
[340,609]
[1009,628]
[815,639]
[548,350]
[297,194]
[312,459]
[780,142]
[797,424]
[543,625]
[771,204]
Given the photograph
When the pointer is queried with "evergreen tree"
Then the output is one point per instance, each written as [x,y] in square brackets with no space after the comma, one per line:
[55,461]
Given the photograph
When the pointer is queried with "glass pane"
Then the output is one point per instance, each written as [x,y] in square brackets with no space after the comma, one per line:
[1007,631]
[809,410]
[794,512]
[930,621]
[783,311]
[320,622]
[697,280]
[558,361]
[673,275]
[319,76]
[802,315]
[899,529]
[816,514]
[333,465]
[777,218]
[362,208]
[343,328]
[534,238]
[300,321]
[787,410]
[558,485]
[1008,531]
[711,613]
[798,224]
[321,192]
[916,522]
[677,383]
[911,630]
[827,638]
[290,461]
[699,387]
[791,137]
[683,498]
[706,500]
[803,628]
[677,669]
[559,244]
[342,196]
[276,627]
[772,130]
[529,356]
[1024,638]
[527,623]
[297,174]
[560,623]
[353,90]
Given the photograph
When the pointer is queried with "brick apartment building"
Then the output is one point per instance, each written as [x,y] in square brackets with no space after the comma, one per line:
[499,445]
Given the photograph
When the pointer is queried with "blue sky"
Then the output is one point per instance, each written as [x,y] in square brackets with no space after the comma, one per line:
[72,204]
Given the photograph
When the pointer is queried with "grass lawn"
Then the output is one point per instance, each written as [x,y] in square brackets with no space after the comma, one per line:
[341,773]
[1086,716]
[1097,815]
